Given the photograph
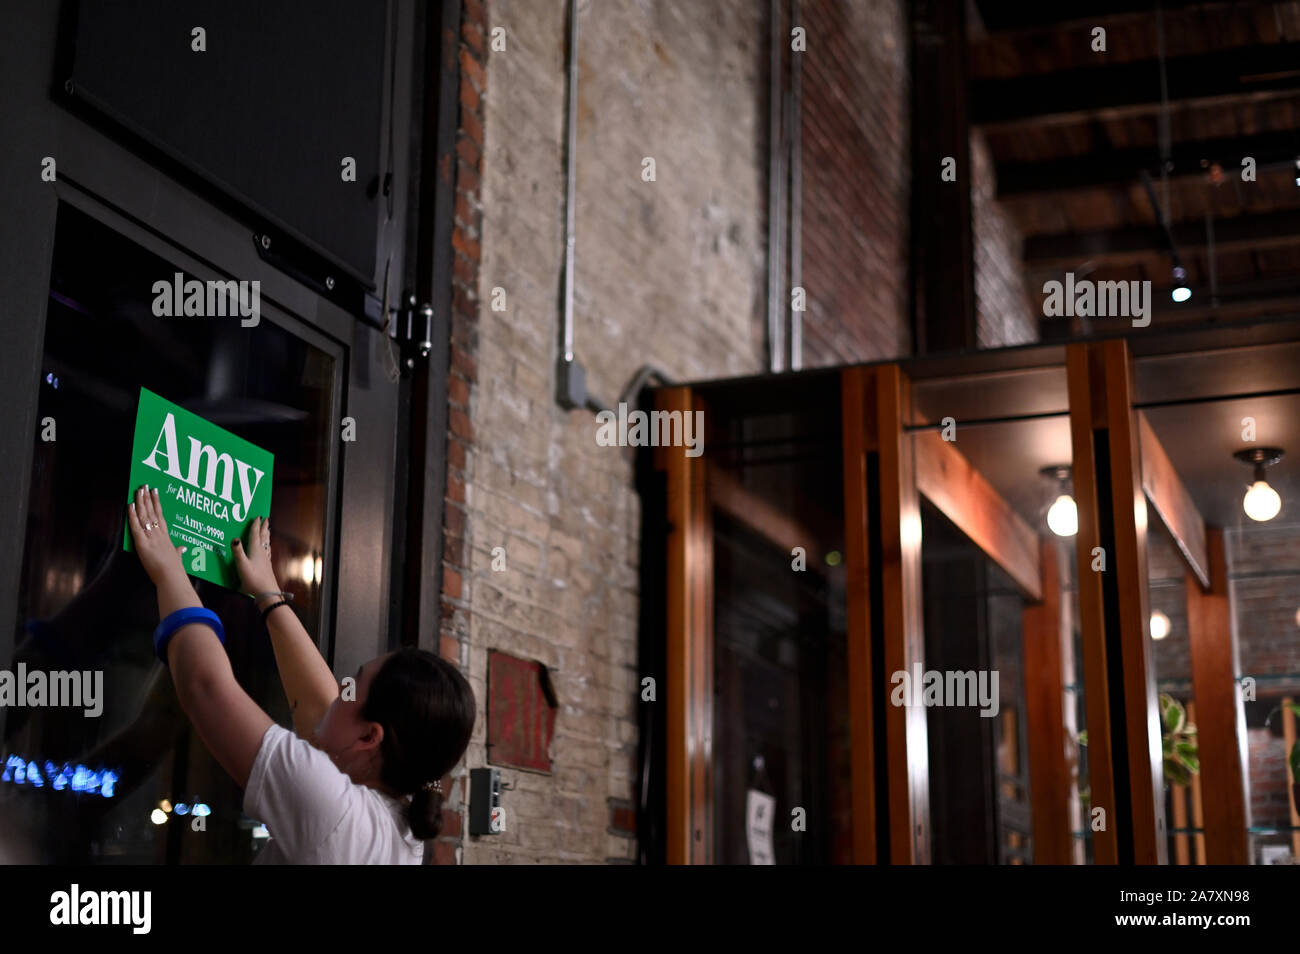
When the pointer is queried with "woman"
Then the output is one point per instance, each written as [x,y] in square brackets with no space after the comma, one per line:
[360,782]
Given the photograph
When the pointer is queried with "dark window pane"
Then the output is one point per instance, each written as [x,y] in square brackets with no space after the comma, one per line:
[86,605]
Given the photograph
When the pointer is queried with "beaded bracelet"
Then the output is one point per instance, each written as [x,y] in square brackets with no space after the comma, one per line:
[287,597]
[267,612]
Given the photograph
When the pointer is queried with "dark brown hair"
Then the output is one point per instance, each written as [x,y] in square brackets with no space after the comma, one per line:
[427,710]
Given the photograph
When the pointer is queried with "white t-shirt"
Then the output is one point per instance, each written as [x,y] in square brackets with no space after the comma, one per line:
[317,815]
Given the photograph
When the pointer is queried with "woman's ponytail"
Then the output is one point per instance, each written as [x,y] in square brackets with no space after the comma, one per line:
[427,710]
[425,813]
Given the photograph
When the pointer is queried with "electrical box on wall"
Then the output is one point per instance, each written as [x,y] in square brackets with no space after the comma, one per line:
[486,814]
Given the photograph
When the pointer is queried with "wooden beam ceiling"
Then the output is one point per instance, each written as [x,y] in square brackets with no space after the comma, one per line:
[1007,15]
[1266,230]
[1120,168]
[1126,89]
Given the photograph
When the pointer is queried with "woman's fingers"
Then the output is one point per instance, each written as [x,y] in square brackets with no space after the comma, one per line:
[157,512]
[148,514]
[145,507]
[133,521]
[142,512]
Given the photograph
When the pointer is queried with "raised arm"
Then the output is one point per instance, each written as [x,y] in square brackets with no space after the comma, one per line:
[230,723]
[308,683]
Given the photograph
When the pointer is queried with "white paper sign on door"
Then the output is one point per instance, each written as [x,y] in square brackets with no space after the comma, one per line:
[760,810]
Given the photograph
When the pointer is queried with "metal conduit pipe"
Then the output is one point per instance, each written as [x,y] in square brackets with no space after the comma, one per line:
[775,196]
[796,200]
[571,377]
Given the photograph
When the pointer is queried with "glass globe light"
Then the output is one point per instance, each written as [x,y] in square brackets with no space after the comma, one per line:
[1063,517]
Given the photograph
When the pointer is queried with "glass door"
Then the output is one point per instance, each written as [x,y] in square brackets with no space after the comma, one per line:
[127,780]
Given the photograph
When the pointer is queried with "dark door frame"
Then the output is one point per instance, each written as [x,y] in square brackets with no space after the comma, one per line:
[125,183]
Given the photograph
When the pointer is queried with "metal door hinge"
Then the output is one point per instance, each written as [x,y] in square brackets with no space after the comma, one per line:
[412,328]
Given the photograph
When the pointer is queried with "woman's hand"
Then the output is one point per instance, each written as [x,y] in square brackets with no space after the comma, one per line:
[254,566]
[161,560]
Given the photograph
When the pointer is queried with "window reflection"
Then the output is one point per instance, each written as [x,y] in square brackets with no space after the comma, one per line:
[130,785]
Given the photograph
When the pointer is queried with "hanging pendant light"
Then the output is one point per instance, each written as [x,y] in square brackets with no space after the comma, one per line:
[1063,515]
[1261,502]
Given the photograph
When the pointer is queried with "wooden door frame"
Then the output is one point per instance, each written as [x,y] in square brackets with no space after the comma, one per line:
[1125,760]
[858,425]
[688,680]
[874,402]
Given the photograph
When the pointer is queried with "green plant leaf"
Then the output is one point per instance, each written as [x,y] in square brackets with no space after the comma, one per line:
[1083,737]
[1175,773]
[1173,713]
[1187,755]
[1295,762]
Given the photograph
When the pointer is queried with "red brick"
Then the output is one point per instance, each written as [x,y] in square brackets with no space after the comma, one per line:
[459,424]
[455,451]
[455,489]
[458,390]
[472,34]
[467,177]
[464,271]
[450,821]
[469,100]
[444,852]
[449,649]
[454,521]
[453,548]
[472,11]
[473,127]
[462,243]
[464,213]
[463,301]
[464,330]
[468,152]
[471,68]
[451,583]
[464,362]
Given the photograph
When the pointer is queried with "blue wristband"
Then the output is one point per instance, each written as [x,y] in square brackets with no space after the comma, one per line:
[183,617]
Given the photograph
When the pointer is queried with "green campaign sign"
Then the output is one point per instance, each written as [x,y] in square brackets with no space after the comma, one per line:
[211,484]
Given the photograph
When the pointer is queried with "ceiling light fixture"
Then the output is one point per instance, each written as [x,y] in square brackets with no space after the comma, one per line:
[1159,625]
[1261,501]
[1063,515]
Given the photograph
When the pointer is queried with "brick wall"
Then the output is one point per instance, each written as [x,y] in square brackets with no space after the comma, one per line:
[669,273]
[1004,310]
[855,154]
[1265,594]
[856,188]
[1270,780]
[1264,562]
[1264,585]
[462,378]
